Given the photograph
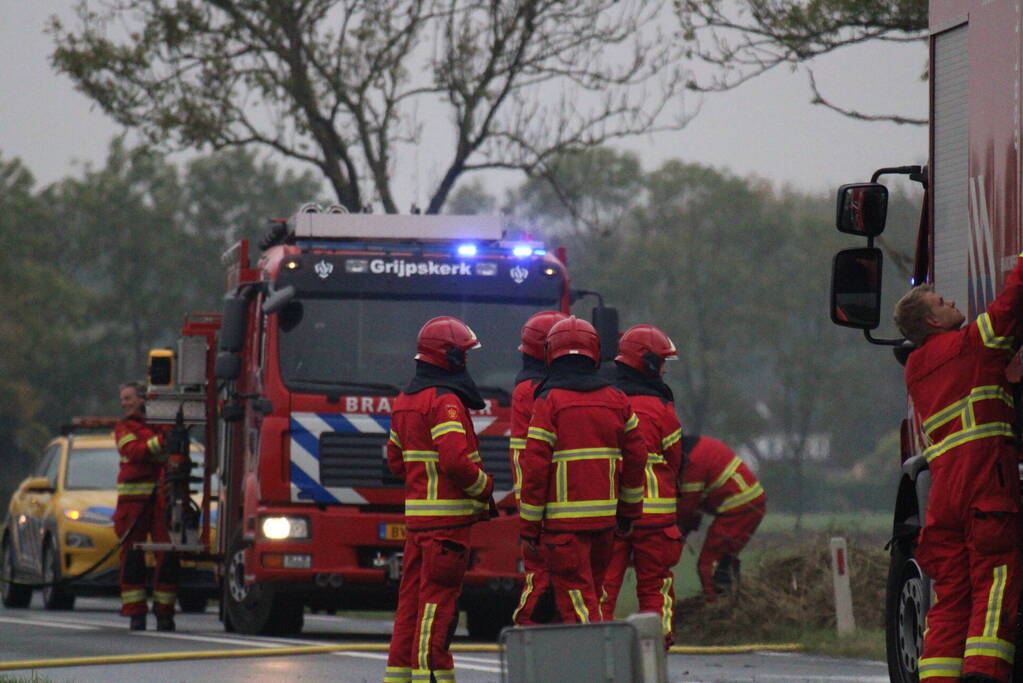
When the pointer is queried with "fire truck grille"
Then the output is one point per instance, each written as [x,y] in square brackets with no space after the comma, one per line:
[351,459]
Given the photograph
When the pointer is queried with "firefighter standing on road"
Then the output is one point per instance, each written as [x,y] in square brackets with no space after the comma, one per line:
[143,452]
[536,604]
[433,447]
[714,480]
[969,541]
[582,471]
[655,544]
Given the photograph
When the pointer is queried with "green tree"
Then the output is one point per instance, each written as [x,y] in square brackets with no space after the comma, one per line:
[340,85]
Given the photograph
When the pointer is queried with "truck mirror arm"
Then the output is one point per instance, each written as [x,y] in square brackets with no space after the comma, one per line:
[916,173]
[883,342]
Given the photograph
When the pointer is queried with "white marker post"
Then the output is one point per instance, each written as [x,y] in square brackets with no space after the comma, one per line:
[843,592]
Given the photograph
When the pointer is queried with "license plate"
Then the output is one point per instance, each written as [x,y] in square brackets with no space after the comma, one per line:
[392,532]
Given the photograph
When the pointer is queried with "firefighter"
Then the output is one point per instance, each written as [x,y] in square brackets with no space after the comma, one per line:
[655,545]
[433,447]
[968,544]
[582,471]
[536,603]
[716,481]
[140,508]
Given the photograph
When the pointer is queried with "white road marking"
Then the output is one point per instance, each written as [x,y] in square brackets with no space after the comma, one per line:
[205,639]
[460,662]
[49,624]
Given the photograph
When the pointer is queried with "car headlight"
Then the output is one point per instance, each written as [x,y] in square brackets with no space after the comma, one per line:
[73,540]
[89,516]
[280,528]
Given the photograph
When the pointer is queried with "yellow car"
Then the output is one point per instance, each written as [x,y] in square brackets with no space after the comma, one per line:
[60,523]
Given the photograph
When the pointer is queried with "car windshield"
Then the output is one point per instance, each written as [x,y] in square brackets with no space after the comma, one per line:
[96,468]
[346,344]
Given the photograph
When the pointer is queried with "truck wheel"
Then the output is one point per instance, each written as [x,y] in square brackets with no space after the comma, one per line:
[54,597]
[485,618]
[191,603]
[13,595]
[257,609]
[905,607]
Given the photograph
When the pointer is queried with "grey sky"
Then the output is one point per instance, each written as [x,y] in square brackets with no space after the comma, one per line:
[766,127]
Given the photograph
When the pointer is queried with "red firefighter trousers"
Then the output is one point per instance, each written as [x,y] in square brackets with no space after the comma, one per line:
[432,570]
[150,516]
[576,563]
[727,535]
[653,552]
[537,590]
[969,547]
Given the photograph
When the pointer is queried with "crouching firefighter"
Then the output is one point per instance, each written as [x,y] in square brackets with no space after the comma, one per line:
[141,510]
[433,447]
[969,541]
[582,471]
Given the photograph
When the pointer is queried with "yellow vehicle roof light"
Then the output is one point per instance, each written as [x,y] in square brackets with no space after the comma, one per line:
[73,514]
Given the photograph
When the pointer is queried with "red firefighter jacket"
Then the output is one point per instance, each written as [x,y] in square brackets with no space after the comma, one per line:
[433,447]
[583,462]
[521,412]
[662,433]
[957,384]
[142,456]
[716,481]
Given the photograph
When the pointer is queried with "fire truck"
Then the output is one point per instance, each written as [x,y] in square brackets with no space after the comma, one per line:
[293,383]
[969,235]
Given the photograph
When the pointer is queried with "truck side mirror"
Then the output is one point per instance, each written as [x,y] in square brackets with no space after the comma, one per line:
[862,209]
[228,365]
[278,299]
[605,321]
[232,326]
[856,288]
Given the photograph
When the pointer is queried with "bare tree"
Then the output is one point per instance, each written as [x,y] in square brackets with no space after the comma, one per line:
[742,39]
[343,84]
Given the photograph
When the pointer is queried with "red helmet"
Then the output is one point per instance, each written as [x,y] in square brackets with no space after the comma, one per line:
[573,336]
[443,342]
[645,348]
[534,332]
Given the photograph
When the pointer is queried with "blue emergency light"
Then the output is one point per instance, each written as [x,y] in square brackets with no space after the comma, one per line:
[467,249]
[522,250]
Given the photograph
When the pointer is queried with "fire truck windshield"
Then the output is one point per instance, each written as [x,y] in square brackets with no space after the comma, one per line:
[365,346]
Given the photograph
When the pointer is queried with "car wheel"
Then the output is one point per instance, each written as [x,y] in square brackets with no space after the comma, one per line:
[905,608]
[13,594]
[55,596]
[257,609]
[192,603]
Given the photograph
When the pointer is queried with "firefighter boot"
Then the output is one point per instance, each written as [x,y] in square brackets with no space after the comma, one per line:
[164,623]
[723,575]
[138,622]
[979,678]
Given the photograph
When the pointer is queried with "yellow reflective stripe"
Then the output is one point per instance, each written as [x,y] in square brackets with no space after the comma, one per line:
[963,408]
[124,459]
[398,674]
[423,675]
[667,606]
[652,490]
[135,488]
[561,481]
[657,506]
[393,437]
[990,647]
[655,458]
[126,439]
[738,499]
[444,675]
[632,495]
[672,439]
[527,590]
[612,478]
[994,601]
[518,444]
[447,428]
[164,597]
[631,423]
[965,436]
[477,488]
[418,507]
[581,508]
[934,667]
[475,457]
[420,456]
[542,435]
[725,475]
[516,475]
[425,628]
[988,336]
[586,454]
[154,446]
[531,513]
[693,487]
[431,480]
[579,605]
[138,595]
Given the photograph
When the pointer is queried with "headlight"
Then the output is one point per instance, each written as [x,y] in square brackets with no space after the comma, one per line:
[279,528]
[89,516]
[74,540]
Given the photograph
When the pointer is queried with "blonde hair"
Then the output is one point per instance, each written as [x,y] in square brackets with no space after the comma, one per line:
[139,387]
[911,314]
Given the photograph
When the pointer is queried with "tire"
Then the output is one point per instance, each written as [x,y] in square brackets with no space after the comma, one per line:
[12,594]
[259,609]
[905,608]
[485,618]
[54,597]
[191,603]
